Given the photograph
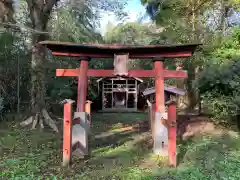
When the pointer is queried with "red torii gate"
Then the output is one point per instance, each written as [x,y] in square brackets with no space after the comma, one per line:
[85,52]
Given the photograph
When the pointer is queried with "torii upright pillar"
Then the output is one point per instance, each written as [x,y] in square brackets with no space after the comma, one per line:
[160,135]
[80,123]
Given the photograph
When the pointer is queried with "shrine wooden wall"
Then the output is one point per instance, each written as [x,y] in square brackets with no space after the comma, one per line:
[109,90]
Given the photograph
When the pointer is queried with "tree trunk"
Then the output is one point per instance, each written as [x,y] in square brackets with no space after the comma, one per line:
[39,13]
[191,68]
[37,76]
[198,94]
[223,8]
[182,101]
[193,95]
[6,10]
[192,99]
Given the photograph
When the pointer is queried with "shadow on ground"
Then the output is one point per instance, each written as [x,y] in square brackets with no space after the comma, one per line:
[104,122]
[112,140]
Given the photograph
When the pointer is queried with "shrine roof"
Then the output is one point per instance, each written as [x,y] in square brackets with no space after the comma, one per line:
[120,78]
[170,89]
[108,51]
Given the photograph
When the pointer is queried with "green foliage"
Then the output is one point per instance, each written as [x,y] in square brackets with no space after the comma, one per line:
[219,81]
[226,50]
[70,25]
[12,50]
[129,34]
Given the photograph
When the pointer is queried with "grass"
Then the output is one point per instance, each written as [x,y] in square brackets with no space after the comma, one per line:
[116,154]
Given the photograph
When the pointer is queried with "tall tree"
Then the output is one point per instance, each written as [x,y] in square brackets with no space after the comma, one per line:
[40,11]
[130,34]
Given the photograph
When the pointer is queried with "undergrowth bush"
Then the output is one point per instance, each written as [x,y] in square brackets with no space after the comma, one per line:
[219,82]
[220,86]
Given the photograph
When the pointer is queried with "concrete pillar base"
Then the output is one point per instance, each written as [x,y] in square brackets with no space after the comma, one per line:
[160,146]
[80,133]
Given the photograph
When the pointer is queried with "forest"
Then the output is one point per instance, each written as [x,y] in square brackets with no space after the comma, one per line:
[30,90]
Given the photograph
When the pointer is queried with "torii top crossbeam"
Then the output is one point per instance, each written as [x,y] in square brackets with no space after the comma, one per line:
[108,51]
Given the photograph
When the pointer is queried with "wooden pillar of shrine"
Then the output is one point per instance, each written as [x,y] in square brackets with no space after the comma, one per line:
[88,110]
[172,134]
[82,84]
[67,133]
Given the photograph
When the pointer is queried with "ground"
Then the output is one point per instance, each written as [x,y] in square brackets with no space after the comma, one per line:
[118,152]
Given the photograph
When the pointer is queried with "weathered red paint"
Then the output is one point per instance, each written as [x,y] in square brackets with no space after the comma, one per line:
[160,101]
[131,56]
[174,74]
[67,134]
[132,73]
[159,86]
[103,73]
[172,134]
[82,86]
[88,110]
